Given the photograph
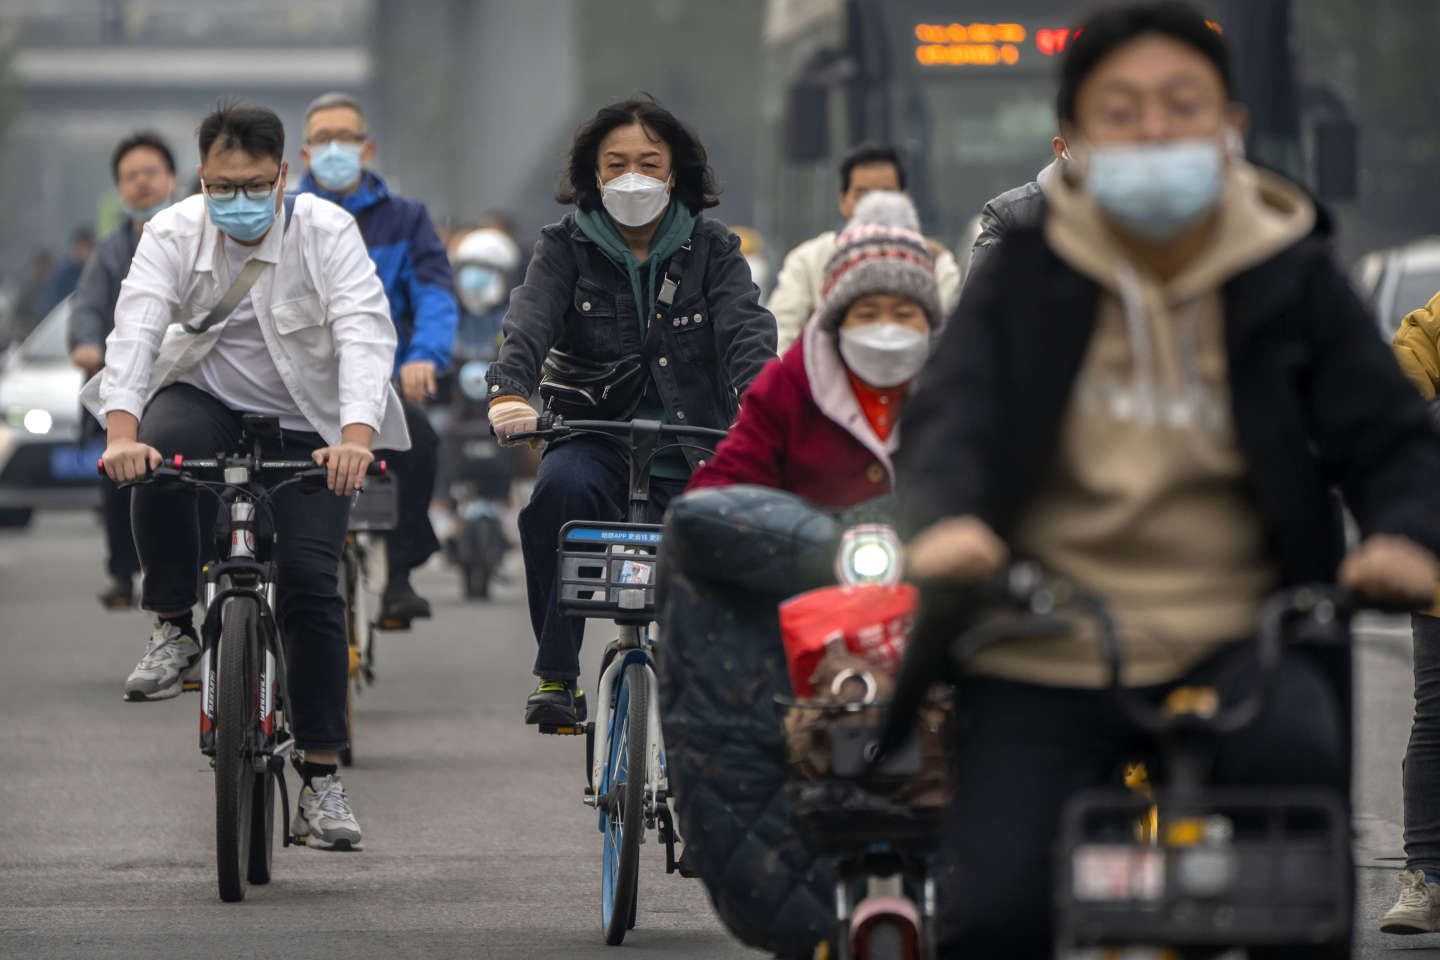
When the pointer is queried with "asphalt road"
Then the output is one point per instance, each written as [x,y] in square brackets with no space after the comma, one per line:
[476,844]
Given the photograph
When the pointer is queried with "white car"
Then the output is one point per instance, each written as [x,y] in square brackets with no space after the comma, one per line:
[43,461]
[1394,282]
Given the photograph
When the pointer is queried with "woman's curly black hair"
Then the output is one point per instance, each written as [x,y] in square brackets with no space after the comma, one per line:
[695,184]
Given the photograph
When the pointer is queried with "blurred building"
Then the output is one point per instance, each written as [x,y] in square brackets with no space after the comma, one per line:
[473,102]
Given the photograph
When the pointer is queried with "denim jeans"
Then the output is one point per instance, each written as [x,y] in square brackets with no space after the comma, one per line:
[168,533]
[587,478]
[1024,749]
[1421,770]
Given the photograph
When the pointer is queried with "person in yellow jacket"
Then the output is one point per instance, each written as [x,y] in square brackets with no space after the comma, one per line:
[1417,347]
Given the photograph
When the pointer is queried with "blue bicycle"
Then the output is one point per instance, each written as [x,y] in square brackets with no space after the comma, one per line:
[607,572]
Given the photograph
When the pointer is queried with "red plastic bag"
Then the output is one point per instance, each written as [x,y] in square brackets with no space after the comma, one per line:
[873,620]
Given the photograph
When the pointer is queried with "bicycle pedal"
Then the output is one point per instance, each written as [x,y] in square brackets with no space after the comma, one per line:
[393,624]
[190,686]
[562,730]
[115,603]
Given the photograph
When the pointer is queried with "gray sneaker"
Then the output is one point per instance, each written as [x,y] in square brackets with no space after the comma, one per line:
[325,819]
[1418,908]
[160,674]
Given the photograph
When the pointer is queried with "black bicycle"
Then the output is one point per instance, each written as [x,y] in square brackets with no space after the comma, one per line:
[607,572]
[244,721]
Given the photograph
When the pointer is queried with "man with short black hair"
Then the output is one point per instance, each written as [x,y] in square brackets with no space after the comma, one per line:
[415,270]
[310,344]
[797,287]
[143,169]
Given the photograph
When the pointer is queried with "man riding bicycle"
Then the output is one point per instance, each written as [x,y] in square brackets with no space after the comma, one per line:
[241,301]
[410,261]
[1152,393]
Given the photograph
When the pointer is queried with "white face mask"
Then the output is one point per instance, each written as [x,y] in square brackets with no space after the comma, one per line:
[634,199]
[884,354]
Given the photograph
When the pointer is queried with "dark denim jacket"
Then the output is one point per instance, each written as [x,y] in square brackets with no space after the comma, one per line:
[702,354]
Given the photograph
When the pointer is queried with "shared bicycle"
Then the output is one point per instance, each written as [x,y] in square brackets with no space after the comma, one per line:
[607,571]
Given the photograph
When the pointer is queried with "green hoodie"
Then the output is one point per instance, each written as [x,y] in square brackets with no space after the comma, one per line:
[675,228]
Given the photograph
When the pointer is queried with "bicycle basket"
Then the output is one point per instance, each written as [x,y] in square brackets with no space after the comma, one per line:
[607,570]
[377,507]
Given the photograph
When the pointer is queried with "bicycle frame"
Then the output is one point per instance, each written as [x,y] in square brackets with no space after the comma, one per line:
[240,574]
[657,782]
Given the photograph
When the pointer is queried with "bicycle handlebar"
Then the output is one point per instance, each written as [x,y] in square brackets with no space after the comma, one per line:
[178,465]
[1312,614]
[552,427]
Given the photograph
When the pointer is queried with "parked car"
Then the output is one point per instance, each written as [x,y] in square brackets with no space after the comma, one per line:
[44,462]
[1397,281]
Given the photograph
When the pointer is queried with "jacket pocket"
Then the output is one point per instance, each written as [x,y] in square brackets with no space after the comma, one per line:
[591,326]
[294,316]
[690,332]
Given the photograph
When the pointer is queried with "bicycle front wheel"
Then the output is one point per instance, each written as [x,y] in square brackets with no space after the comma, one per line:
[235,778]
[623,794]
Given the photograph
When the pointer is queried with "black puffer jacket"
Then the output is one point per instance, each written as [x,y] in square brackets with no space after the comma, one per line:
[730,555]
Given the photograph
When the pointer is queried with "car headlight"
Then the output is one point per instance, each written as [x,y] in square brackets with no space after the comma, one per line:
[472,379]
[33,420]
[869,553]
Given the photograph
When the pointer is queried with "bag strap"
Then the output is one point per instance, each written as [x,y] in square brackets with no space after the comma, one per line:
[673,272]
[240,288]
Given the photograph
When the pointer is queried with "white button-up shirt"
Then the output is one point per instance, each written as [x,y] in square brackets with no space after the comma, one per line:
[320,306]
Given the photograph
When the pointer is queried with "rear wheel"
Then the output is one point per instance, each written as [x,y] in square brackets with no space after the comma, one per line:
[352,581]
[234,742]
[477,581]
[623,792]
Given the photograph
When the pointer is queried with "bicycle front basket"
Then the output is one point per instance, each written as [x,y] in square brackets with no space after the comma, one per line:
[607,570]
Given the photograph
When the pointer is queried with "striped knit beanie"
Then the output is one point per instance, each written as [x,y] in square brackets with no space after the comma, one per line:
[881,250]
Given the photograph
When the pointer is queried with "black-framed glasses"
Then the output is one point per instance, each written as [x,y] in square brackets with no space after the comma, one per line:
[254,190]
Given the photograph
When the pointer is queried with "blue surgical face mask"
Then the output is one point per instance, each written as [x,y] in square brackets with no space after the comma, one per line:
[143,214]
[240,217]
[336,166]
[1156,190]
[480,287]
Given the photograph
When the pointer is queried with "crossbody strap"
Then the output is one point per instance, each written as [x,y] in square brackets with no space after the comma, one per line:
[665,299]
[240,288]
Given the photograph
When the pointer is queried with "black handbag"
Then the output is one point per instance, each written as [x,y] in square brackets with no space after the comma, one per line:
[578,388]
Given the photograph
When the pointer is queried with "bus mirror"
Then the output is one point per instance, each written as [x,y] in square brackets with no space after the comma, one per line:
[807,122]
[1337,160]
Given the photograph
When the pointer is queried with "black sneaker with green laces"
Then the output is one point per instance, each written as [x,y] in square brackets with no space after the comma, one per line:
[556,703]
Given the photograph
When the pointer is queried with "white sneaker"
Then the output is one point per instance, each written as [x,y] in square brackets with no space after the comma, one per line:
[1417,910]
[160,674]
[325,819]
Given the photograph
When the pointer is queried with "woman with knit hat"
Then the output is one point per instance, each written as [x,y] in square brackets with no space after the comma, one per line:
[822,422]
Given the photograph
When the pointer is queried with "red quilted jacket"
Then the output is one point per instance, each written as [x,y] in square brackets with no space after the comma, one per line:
[814,442]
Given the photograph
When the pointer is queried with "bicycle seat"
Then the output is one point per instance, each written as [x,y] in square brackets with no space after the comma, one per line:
[260,426]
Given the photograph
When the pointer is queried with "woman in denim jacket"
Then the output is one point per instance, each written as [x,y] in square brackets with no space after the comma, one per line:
[638,179]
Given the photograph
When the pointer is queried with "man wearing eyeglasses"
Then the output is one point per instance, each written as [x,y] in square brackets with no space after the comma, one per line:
[240,300]
[412,263]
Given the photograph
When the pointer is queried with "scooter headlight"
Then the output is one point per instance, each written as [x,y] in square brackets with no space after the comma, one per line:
[472,379]
[870,553]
